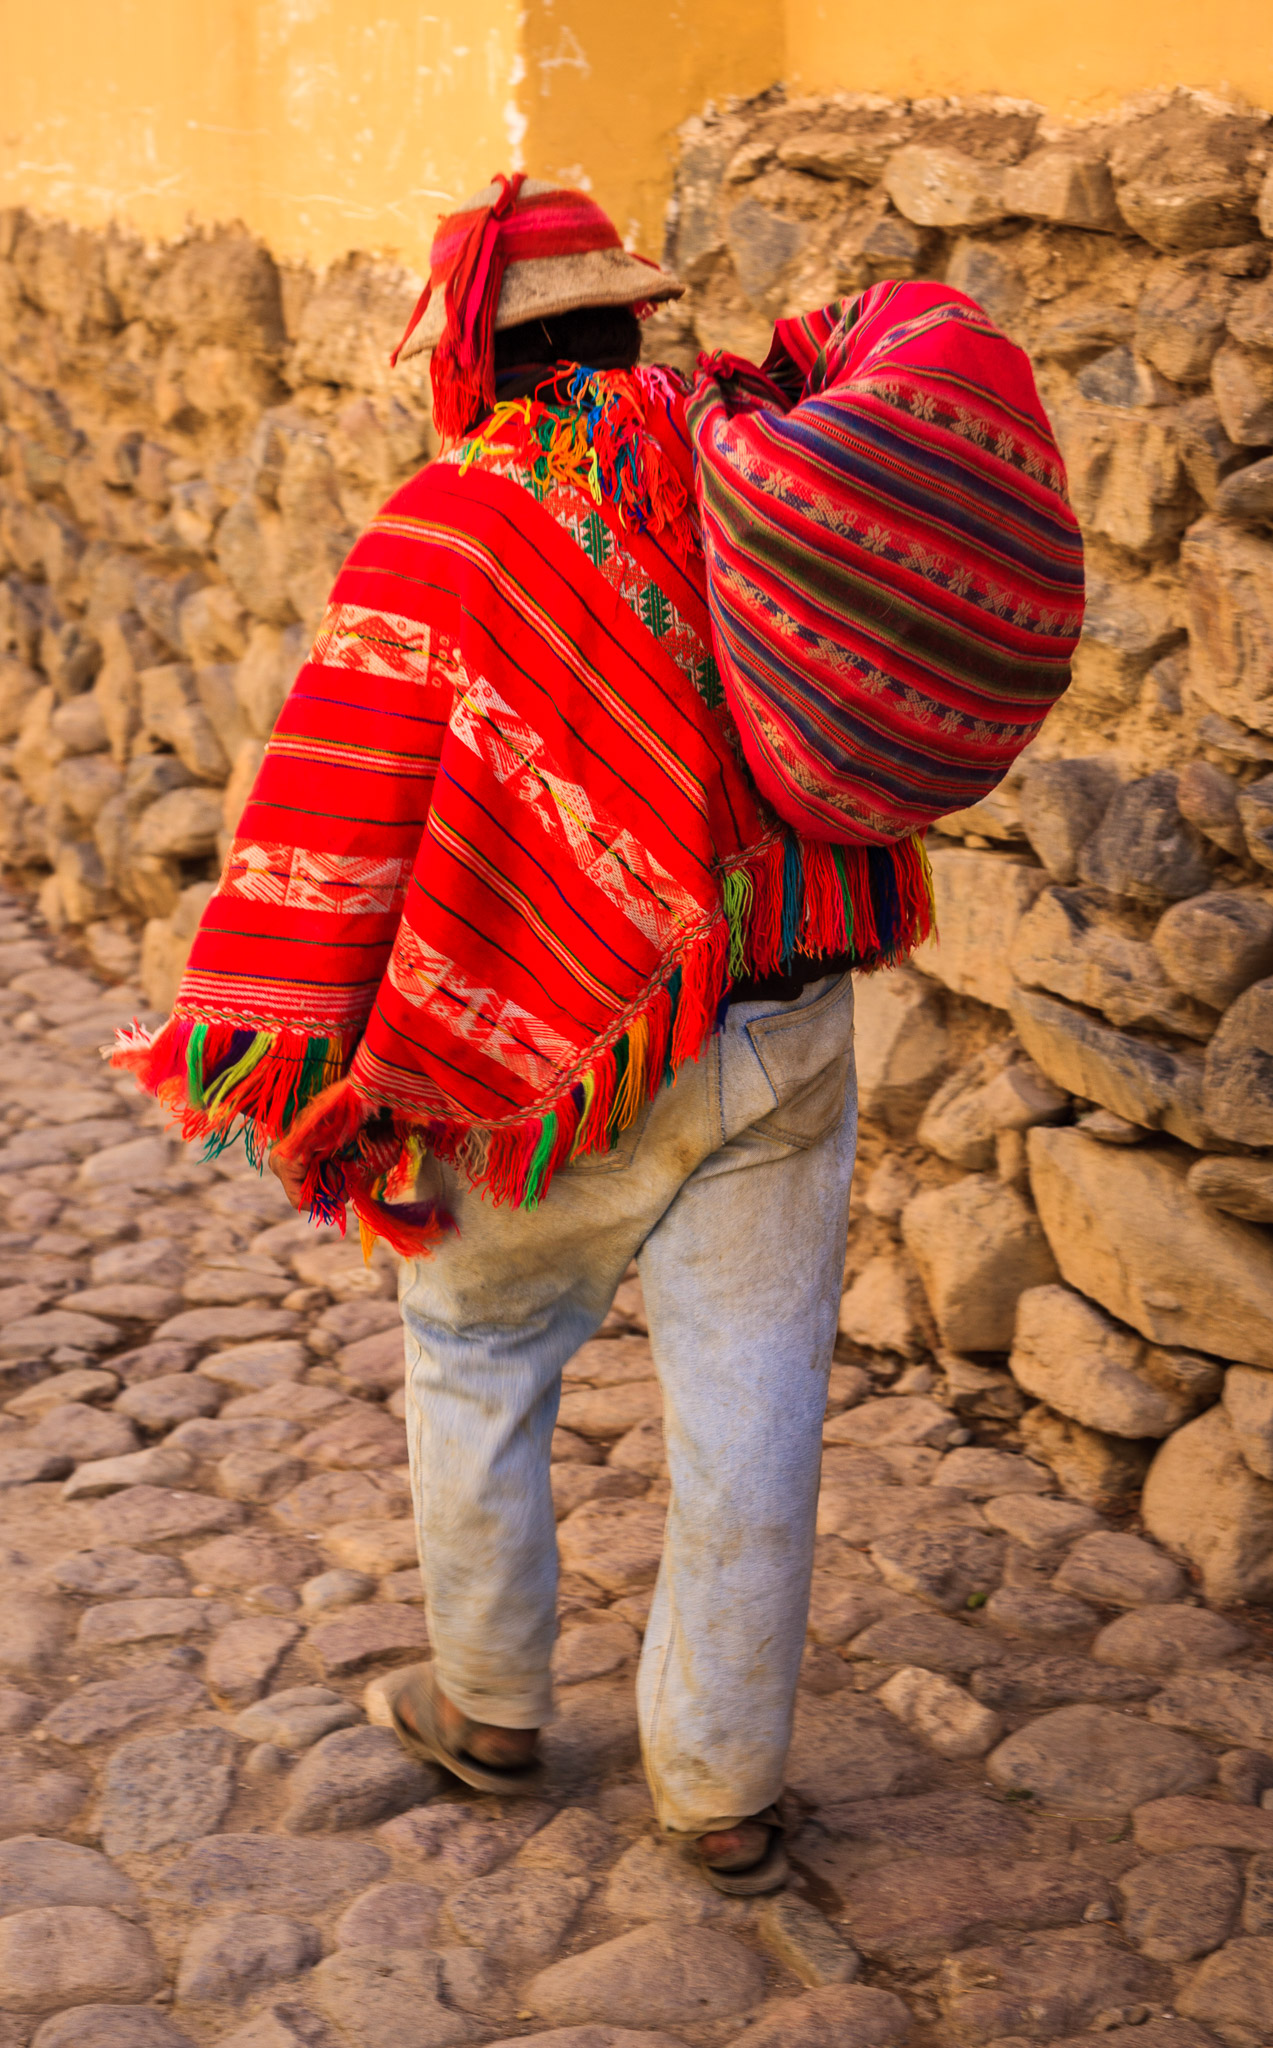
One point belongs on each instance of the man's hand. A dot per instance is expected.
(290, 1173)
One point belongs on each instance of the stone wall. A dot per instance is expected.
(190, 437)
(1065, 1190)
(1065, 1187)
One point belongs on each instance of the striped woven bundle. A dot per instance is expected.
(503, 856)
(894, 572)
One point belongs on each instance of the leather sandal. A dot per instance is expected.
(415, 1684)
(768, 1872)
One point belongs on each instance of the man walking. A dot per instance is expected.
(535, 945)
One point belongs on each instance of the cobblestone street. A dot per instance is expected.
(1026, 1793)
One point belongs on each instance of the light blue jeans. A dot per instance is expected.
(732, 1194)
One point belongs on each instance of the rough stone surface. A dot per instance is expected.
(947, 1567)
(900, 1047)
(839, 2016)
(245, 1656)
(226, 1960)
(1086, 1759)
(393, 1915)
(111, 2026)
(51, 1956)
(920, 1908)
(1181, 1274)
(114, 1705)
(978, 1248)
(152, 1514)
(353, 1778)
(1203, 1502)
(1103, 1471)
(367, 1636)
(1118, 1570)
(981, 899)
(33, 1628)
(672, 1975)
(941, 1712)
(296, 1718)
(391, 1997)
(1169, 1639)
(1230, 1991)
(1234, 1705)
(1045, 1986)
(1178, 1907)
(166, 1788)
(1098, 1372)
(521, 1915)
(271, 1872)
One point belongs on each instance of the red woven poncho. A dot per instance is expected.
(503, 854)
(894, 570)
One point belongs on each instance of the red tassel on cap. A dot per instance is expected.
(471, 272)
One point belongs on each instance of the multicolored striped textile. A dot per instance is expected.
(894, 571)
(503, 856)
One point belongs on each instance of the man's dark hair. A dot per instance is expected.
(602, 337)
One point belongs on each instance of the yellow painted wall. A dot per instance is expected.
(1075, 57)
(331, 124)
(324, 124)
(608, 82)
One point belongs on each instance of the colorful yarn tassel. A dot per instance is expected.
(292, 1092)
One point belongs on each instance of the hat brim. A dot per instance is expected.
(546, 286)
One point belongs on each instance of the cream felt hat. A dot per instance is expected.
(561, 252)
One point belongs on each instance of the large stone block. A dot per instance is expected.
(1157, 1086)
(995, 1091)
(182, 825)
(171, 712)
(1061, 805)
(1127, 1230)
(1238, 1083)
(1248, 1403)
(1242, 382)
(885, 1309)
(1255, 817)
(350, 323)
(978, 1247)
(1180, 321)
(988, 274)
(252, 553)
(1143, 848)
(1242, 1187)
(900, 1046)
(1203, 1502)
(763, 244)
(1101, 1471)
(1069, 187)
(266, 673)
(981, 899)
(1247, 494)
(1126, 628)
(943, 188)
(1067, 1352)
(1228, 577)
(222, 288)
(1215, 945)
(1126, 473)
(1206, 450)
(1208, 797)
(1071, 943)
(1185, 177)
